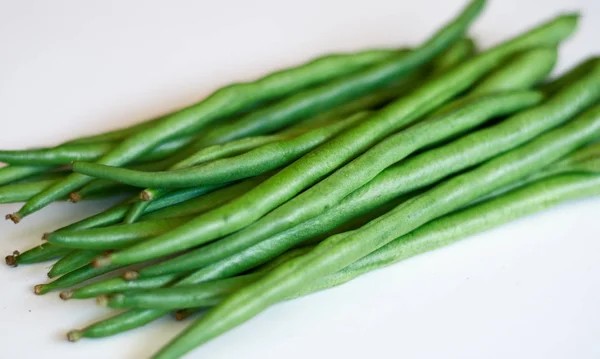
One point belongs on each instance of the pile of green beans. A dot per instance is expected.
(311, 176)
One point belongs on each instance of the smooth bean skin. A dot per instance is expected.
(43, 252)
(438, 233)
(460, 51)
(72, 261)
(9, 174)
(235, 98)
(20, 192)
(363, 169)
(574, 74)
(334, 254)
(417, 172)
(114, 237)
(547, 34)
(304, 171)
(260, 160)
(65, 154)
(117, 285)
(181, 295)
(74, 277)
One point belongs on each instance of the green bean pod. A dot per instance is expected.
(38, 254)
(9, 174)
(339, 251)
(74, 277)
(20, 192)
(72, 261)
(117, 285)
(236, 98)
(114, 237)
(232, 254)
(65, 154)
(260, 160)
(183, 295)
(457, 53)
(574, 74)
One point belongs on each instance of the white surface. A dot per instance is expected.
(527, 290)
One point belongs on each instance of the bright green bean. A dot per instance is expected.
(117, 285)
(260, 160)
(235, 98)
(114, 237)
(342, 250)
(9, 174)
(460, 51)
(574, 74)
(41, 253)
(75, 277)
(65, 154)
(72, 261)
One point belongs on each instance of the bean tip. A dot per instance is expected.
(102, 261)
(46, 235)
(15, 217)
(75, 197)
(39, 289)
(102, 300)
(145, 196)
(181, 315)
(11, 260)
(66, 295)
(74, 335)
(131, 275)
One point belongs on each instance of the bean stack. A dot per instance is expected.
(311, 176)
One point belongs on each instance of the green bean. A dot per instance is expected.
(20, 192)
(114, 237)
(65, 154)
(9, 174)
(140, 299)
(460, 51)
(232, 254)
(249, 164)
(339, 251)
(524, 70)
(572, 75)
(74, 277)
(117, 213)
(432, 235)
(117, 285)
(72, 261)
(293, 108)
(41, 253)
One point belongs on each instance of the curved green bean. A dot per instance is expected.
(574, 74)
(113, 237)
(232, 99)
(260, 160)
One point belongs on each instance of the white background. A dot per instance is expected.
(69, 67)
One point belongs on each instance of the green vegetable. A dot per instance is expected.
(339, 251)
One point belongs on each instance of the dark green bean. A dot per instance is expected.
(295, 107)
(339, 251)
(20, 192)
